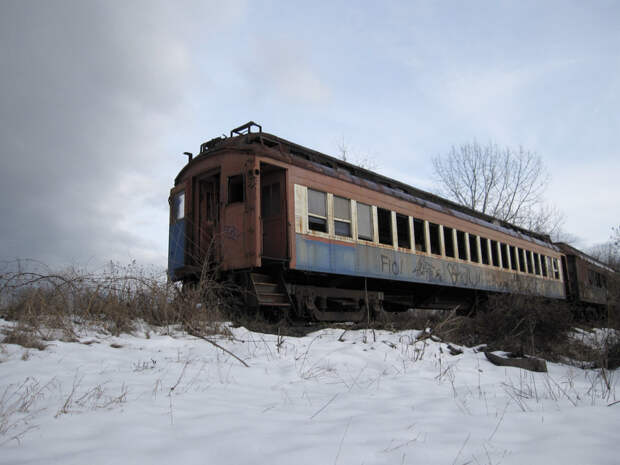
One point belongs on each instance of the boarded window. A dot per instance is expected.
(317, 210)
(418, 234)
(342, 216)
(448, 240)
(504, 251)
(364, 222)
(235, 188)
(494, 253)
(473, 248)
(484, 246)
(536, 263)
(178, 206)
(402, 231)
(433, 230)
(384, 217)
(460, 240)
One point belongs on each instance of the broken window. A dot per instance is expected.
(317, 211)
(433, 230)
(235, 188)
(556, 268)
(402, 231)
(342, 216)
(484, 246)
(384, 217)
(536, 263)
(513, 258)
(530, 262)
(473, 248)
(521, 259)
(494, 253)
(364, 222)
(448, 240)
(460, 241)
(504, 252)
(418, 235)
(543, 264)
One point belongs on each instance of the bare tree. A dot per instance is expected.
(363, 161)
(502, 182)
(608, 252)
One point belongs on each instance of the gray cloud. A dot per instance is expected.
(86, 90)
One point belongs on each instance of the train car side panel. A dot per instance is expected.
(362, 260)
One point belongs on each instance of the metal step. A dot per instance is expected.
(269, 291)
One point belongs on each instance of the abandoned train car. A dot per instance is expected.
(306, 231)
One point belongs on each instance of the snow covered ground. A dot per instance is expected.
(360, 398)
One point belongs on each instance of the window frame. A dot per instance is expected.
(232, 178)
(405, 229)
(337, 219)
(387, 214)
(370, 238)
(325, 218)
(177, 210)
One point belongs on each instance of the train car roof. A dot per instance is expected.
(570, 250)
(336, 167)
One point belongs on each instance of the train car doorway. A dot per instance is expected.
(273, 212)
(207, 201)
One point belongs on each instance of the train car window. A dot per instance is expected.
(433, 230)
(504, 251)
(484, 246)
(513, 258)
(543, 264)
(448, 240)
(556, 268)
(270, 200)
(460, 240)
(402, 231)
(317, 210)
(265, 202)
(521, 254)
(342, 216)
(418, 235)
(364, 222)
(494, 253)
(473, 248)
(536, 263)
(235, 188)
(596, 279)
(385, 226)
(178, 206)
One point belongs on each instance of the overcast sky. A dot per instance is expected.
(98, 100)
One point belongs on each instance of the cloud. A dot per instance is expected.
(285, 69)
(87, 91)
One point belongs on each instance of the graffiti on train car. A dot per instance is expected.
(364, 260)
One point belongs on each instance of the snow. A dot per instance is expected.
(365, 397)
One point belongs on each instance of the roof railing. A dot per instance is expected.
(246, 129)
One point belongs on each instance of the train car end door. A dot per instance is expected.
(273, 212)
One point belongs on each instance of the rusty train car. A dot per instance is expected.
(308, 233)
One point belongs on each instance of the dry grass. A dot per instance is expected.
(46, 305)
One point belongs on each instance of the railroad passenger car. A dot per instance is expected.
(589, 281)
(331, 240)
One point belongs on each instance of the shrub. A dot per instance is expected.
(514, 323)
